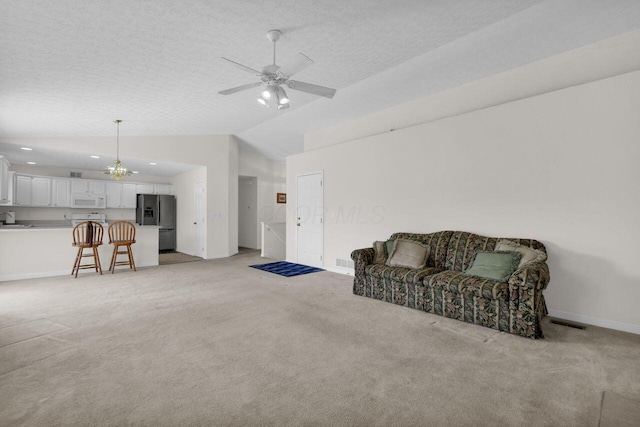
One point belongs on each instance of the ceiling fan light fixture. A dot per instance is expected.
(282, 96)
(263, 102)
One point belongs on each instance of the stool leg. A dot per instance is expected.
(112, 267)
(96, 259)
(76, 263)
(132, 263)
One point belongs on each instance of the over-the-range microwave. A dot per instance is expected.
(88, 200)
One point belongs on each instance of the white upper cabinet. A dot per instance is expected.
(41, 191)
(99, 187)
(162, 189)
(121, 195)
(114, 194)
(79, 186)
(60, 192)
(5, 182)
(153, 188)
(88, 186)
(22, 196)
(129, 198)
(144, 189)
(28, 190)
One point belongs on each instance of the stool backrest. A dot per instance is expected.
(88, 233)
(122, 231)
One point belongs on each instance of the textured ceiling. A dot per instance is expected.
(69, 67)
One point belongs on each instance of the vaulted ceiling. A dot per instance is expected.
(69, 67)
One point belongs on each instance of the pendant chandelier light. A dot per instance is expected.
(116, 170)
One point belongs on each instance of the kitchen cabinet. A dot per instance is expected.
(129, 196)
(153, 189)
(22, 196)
(121, 195)
(88, 186)
(98, 187)
(144, 189)
(79, 186)
(60, 192)
(114, 194)
(40, 191)
(162, 189)
(5, 182)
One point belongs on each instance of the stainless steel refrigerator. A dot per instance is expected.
(153, 209)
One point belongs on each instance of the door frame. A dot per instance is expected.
(321, 172)
(200, 242)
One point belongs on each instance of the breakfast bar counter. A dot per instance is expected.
(28, 252)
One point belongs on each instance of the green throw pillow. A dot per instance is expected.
(389, 246)
(496, 265)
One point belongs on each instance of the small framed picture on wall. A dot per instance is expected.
(281, 197)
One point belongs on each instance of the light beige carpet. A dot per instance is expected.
(219, 343)
(176, 258)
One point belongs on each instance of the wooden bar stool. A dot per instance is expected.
(87, 234)
(122, 233)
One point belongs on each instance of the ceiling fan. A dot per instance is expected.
(273, 77)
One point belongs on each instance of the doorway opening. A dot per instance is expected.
(248, 212)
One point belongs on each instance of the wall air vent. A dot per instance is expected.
(76, 174)
(567, 324)
(344, 263)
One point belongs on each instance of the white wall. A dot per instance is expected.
(561, 167)
(184, 190)
(218, 153)
(607, 58)
(271, 180)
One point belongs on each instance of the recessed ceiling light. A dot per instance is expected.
(95, 157)
(152, 163)
(26, 148)
(134, 171)
(31, 163)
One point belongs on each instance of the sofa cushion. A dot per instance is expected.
(380, 253)
(529, 255)
(457, 282)
(404, 274)
(437, 242)
(494, 265)
(408, 253)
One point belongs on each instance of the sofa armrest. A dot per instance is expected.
(362, 258)
(533, 276)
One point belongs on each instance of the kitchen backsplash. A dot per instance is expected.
(60, 214)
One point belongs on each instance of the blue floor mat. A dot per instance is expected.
(286, 269)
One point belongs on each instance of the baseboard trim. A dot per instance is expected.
(339, 270)
(596, 321)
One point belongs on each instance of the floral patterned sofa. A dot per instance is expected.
(516, 306)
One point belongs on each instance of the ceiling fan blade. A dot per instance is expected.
(327, 92)
(242, 67)
(297, 64)
(239, 88)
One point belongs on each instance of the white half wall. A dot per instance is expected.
(561, 167)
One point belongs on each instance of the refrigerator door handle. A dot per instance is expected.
(159, 210)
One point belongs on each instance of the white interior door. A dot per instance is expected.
(310, 219)
(198, 220)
